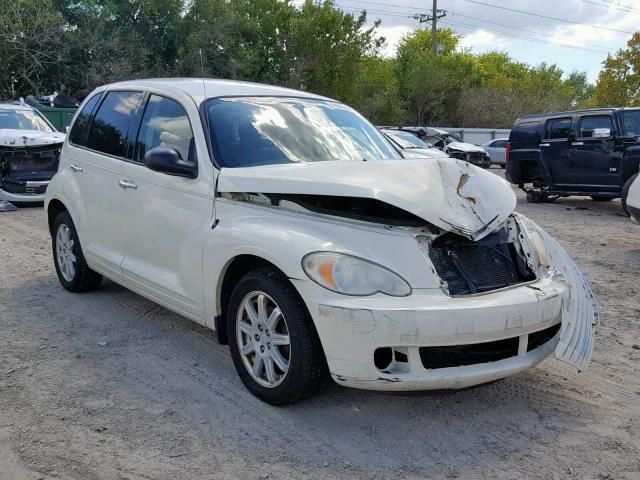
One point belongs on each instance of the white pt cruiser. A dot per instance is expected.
(289, 225)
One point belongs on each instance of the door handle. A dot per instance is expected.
(544, 145)
(75, 168)
(575, 144)
(126, 184)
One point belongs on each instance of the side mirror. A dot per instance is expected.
(168, 160)
(601, 132)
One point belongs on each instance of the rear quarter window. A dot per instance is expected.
(525, 134)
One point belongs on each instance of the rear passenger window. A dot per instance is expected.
(165, 124)
(525, 133)
(589, 124)
(109, 128)
(558, 128)
(78, 133)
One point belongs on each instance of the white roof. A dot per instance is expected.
(15, 106)
(212, 87)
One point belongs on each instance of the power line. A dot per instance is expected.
(520, 37)
(476, 27)
(547, 36)
(547, 17)
(609, 4)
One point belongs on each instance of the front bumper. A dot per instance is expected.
(352, 329)
(23, 192)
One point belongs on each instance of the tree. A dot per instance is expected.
(327, 49)
(619, 81)
(375, 92)
(32, 45)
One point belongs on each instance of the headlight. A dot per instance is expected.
(351, 275)
(541, 251)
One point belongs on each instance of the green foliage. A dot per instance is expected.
(75, 45)
(619, 81)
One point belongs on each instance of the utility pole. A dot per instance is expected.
(433, 18)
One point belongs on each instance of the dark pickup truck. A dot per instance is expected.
(589, 152)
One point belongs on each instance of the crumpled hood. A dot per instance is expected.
(465, 147)
(448, 193)
(28, 138)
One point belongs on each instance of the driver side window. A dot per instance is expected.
(165, 124)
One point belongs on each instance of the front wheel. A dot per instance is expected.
(274, 345)
(536, 196)
(72, 269)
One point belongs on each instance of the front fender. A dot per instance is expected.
(283, 238)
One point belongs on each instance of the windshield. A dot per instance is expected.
(23, 120)
(631, 123)
(249, 131)
(405, 140)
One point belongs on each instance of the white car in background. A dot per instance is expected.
(287, 223)
(497, 150)
(29, 150)
(631, 198)
(411, 146)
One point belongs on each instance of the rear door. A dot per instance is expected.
(166, 218)
(555, 150)
(96, 160)
(595, 161)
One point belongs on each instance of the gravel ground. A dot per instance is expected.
(107, 385)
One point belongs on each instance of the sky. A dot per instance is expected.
(527, 38)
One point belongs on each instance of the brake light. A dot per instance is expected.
(507, 152)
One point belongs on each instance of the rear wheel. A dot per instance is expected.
(71, 267)
(625, 193)
(274, 345)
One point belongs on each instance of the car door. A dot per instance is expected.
(555, 150)
(595, 161)
(166, 217)
(98, 145)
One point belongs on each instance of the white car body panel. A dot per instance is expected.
(423, 153)
(633, 200)
(172, 240)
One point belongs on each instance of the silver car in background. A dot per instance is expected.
(497, 150)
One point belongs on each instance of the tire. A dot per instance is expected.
(601, 198)
(80, 278)
(536, 197)
(625, 192)
(306, 371)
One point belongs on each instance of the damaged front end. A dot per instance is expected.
(505, 283)
(25, 171)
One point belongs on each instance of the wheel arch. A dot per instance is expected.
(54, 208)
(232, 272)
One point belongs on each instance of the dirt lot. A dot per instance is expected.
(108, 385)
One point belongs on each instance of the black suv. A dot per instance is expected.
(589, 152)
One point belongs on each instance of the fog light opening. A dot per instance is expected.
(383, 358)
